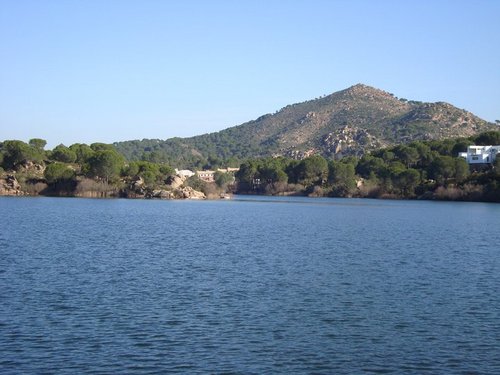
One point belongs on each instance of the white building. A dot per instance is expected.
(209, 176)
(184, 173)
(480, 154)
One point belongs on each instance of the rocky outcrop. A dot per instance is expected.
(32, 168)
(161, 194)
(10, 186)
(89, 188)
(174, 189)
(297, 154)
(136, 188)
(189, 193)
(180, 193)
(175, 182)
(349, 141)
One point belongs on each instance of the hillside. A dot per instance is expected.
(348, 122)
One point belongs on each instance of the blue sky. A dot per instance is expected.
(88, 71)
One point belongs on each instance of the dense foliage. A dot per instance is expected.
(420, 169)
(428, 169)
(66, 168)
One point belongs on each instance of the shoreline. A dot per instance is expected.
(234, 196)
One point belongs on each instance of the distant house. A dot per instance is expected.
(478, 156)
(184, 173)
(207, 176)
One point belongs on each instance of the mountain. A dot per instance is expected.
(348, 122)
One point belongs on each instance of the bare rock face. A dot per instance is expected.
(175, 182)
(297, 154)
(162, 194)
(31, 168)
(138, 183)
(349, 141)
(10, 186)
(189, 193)
(137, 188)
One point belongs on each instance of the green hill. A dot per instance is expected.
(349, 122)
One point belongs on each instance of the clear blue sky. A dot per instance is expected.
(87, 71)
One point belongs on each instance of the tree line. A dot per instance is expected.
(425, 169)
(421, 169)
(62, 165)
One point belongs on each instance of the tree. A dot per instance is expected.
(461, 146)
(407, 181)
(271, 171)
(233, 162)
(17, 152)
(98, 146)
(150, 172)
(157, 156)
(408, 155)
(196, 183)
(389, 176)
(223, 179)
(369, 164)
(38, 144)
(312, 170)
(83, 152)
(56, 173)
(247, 174)
(63, 154)
(496, 165)
(131, 169)
(442, 169)
(166, 170)
(291, 171)
(213, 162)
(461, 169)
(488, 138)
(105, 164)
(425, 155)
(343, 178)
(388, 156)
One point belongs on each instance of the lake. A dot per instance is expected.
(252, 285)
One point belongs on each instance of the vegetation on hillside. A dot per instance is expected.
(421, 169)
(76, 169)
(350, 122)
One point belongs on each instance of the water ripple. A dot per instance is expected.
(251, 287)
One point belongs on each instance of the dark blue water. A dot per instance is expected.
(259, 285)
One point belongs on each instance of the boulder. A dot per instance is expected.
(10, 186)
(137, 183)
(162, 194)
(31, 167)
(190, 193)
(137, 188)
(175, 182)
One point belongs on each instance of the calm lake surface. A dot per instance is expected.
(255, 285)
